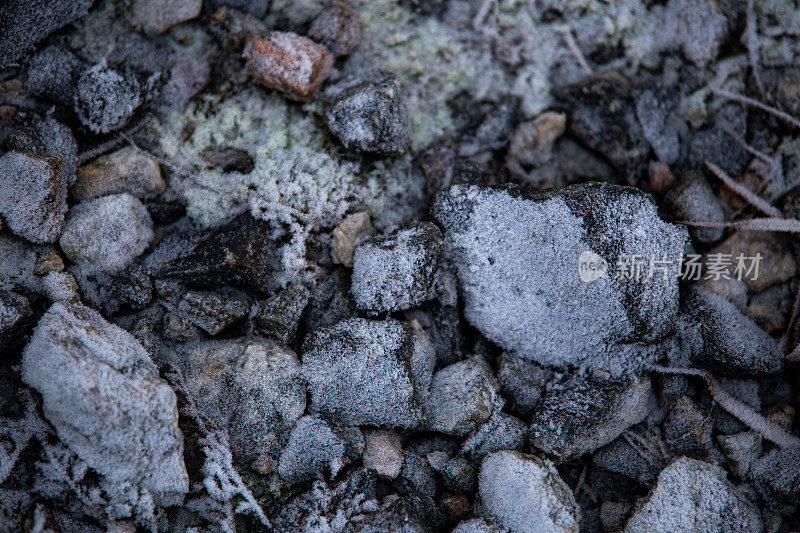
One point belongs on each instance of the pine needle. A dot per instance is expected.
(755, 200)
(744, 413)
(789, 119)
(782, 225)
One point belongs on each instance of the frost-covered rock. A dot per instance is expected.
(33, 196)
(15, 311)
(731, 342)
(313, 449)
(522, 382)
(289, 63)
(741, 450)
(383, 453)
(463, 396)
(695, 201)
(157, 16)
(693, 496)
(524, 493)
(478, 525)
(212, 312)
(105, 99)
(125, 171)
(368, 372)
(396, 272)
(23, 23)
(53, 73)
(252, 387)
(370, 115)
(279, 316)
(106, 234)
(518, 256)
(500, 432)
(337, 28)
(777, 476)
(579, 414)
(104, 396)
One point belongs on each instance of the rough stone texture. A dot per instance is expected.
(53, 74)
(103, 395)
(232, 28)
(638, 457)
(500, 432)
(239, 253)
(157, 16)
(383, 453)
(477, 525)
(777, 264)
(15, 312)
(105, 99)
(289, 63)
(525, 494)
(396, 272)
(687, 430)
(522, 382)
(313, 449)
(777, 477)
(106, 234)
(463, 396)
(741, 451)
(731, 342)
(517, 256)
(125, 171)
(279, 316)
(602, 115)
(694, 496)
(368, 372)
(459, 475)
(370, 115)
(349, 234)
(579, 415)
(23, 23)
(251, 386)
(33, 197)
(532, 142)
(337, 28)
(211, 312)
(695, 201)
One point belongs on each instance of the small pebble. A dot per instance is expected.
(289, 63)
(157, 16)
(659, 177)
(15, 311)
(313, 449)
(106, 234)
(125, 171)
(232, 28)
(532, 142)
(370, 115)
(337, 28)
(279, 316)
(383, 453)
(53, 73)
(105, 99)
(741, 450)
(349, 234)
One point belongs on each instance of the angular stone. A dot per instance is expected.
(638, 457)
(370, 115)
(396, 272)
(500, 432)
(229, 159)
(777, 477)
(522, 382)
(731, 342)
(104, 396)
(525, 494)
(33, 198)
(23, 23)
(157, 16)
(349, 234)
(232, 28)
(777, 263)
(741, 450)
(368, 372)
(313, 449)
(106, 234)
(693, 496)
(532, 142)
(383, 453)
(211, 312)
(463, 396)
(578, 415)
(337, 28)
(252, 387)
(279, 316)
(289, 63)
(105, 99)
(518, 256)
(15, 312)
(125, 171)
(687, 430)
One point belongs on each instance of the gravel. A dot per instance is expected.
(125, 171)
(105, 100)
(313, 449)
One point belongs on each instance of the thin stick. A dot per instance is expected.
(573, 47)
(758, 202)
(783, 225)
(744, 413)
(789, 119)
(751, 42)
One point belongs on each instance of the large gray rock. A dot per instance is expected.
(369, 372)
(694, 496)
(250, 386)
(108, 233)
(526, 495)
(518, 256)
(579, 415)
(103, 394)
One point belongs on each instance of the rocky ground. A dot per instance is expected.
(399, 265)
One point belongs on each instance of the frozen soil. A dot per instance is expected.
(399, 265)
